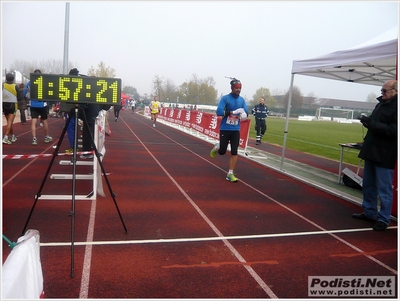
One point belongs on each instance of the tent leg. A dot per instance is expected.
(287, 120)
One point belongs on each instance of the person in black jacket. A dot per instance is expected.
(379, 152)
(260, 112)
(117, 108)
(91, 112)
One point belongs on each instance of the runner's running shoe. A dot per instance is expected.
(214, 150)
(48, 139)
(231, 177)
(6, 140)
(13, 138)
(34, 141)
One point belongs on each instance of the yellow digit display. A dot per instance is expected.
(79, 86)
(63, 91)
(103, 86)
(70, 88)
(39, 84)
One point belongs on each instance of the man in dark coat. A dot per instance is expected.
(379, 152)
(260, 112)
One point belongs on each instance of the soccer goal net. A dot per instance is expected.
(333, 114)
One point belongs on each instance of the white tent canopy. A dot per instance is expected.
(372, 63)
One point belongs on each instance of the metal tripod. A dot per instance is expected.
(74, 160)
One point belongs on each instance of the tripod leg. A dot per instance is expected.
(39, 193)
(76, 111)
(98, 155)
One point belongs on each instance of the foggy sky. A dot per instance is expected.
(254, 41)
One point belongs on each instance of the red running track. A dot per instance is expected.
(191, 233)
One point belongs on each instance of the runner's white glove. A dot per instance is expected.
(238, 111)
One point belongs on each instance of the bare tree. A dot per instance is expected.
(371, 97)
(158, 86)
(101, 71)
(198, 91)
(263, 92)
(48, 66)
(297, 98)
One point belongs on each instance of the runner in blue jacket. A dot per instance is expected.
(232, 107)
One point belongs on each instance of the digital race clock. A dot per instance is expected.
(78, 89)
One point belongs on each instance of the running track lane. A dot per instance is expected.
(191, 234)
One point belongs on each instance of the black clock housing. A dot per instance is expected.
(75, 89)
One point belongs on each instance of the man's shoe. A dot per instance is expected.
(34, 141)
(13, 138)
(362, 216)
(214, 150)
(258, 142)
(48, 139)
(231, 177)
(379, 226)
(69, 151)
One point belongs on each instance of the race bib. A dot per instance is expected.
(232, 120)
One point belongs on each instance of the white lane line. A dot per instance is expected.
(84, 291)
(253, 273)
(323, 229)
(297, 214)
(18, 172)
(197, 239)
(258, 279)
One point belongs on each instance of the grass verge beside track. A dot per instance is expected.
(321, 138)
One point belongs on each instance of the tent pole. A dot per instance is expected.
(287, 120)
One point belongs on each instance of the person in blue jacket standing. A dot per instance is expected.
(38, 109)
(232, 107)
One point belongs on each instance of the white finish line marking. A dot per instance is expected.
(220, 236)
(196, 239)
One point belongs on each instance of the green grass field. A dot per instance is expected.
(321, 138)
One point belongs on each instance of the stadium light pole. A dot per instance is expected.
(66, 39)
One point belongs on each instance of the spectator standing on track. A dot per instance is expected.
(379, 152)
(154, 110)
(38, 108)
(22, 104)
(11, 95)
(260, 112)
(117, 108)
(133, 105)
(232, 107)
(91, 112)
(66, 109)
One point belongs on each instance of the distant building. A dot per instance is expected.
(363, 106)
(312, 102)
(19, 78)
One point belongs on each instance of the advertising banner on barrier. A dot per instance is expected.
(202, 122)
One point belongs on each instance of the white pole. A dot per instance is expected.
(287, 120)
(66, 39)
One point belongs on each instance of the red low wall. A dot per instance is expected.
(204, 123)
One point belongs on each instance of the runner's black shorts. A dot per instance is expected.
(36, 112)
(229, 136)
(9, 108)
